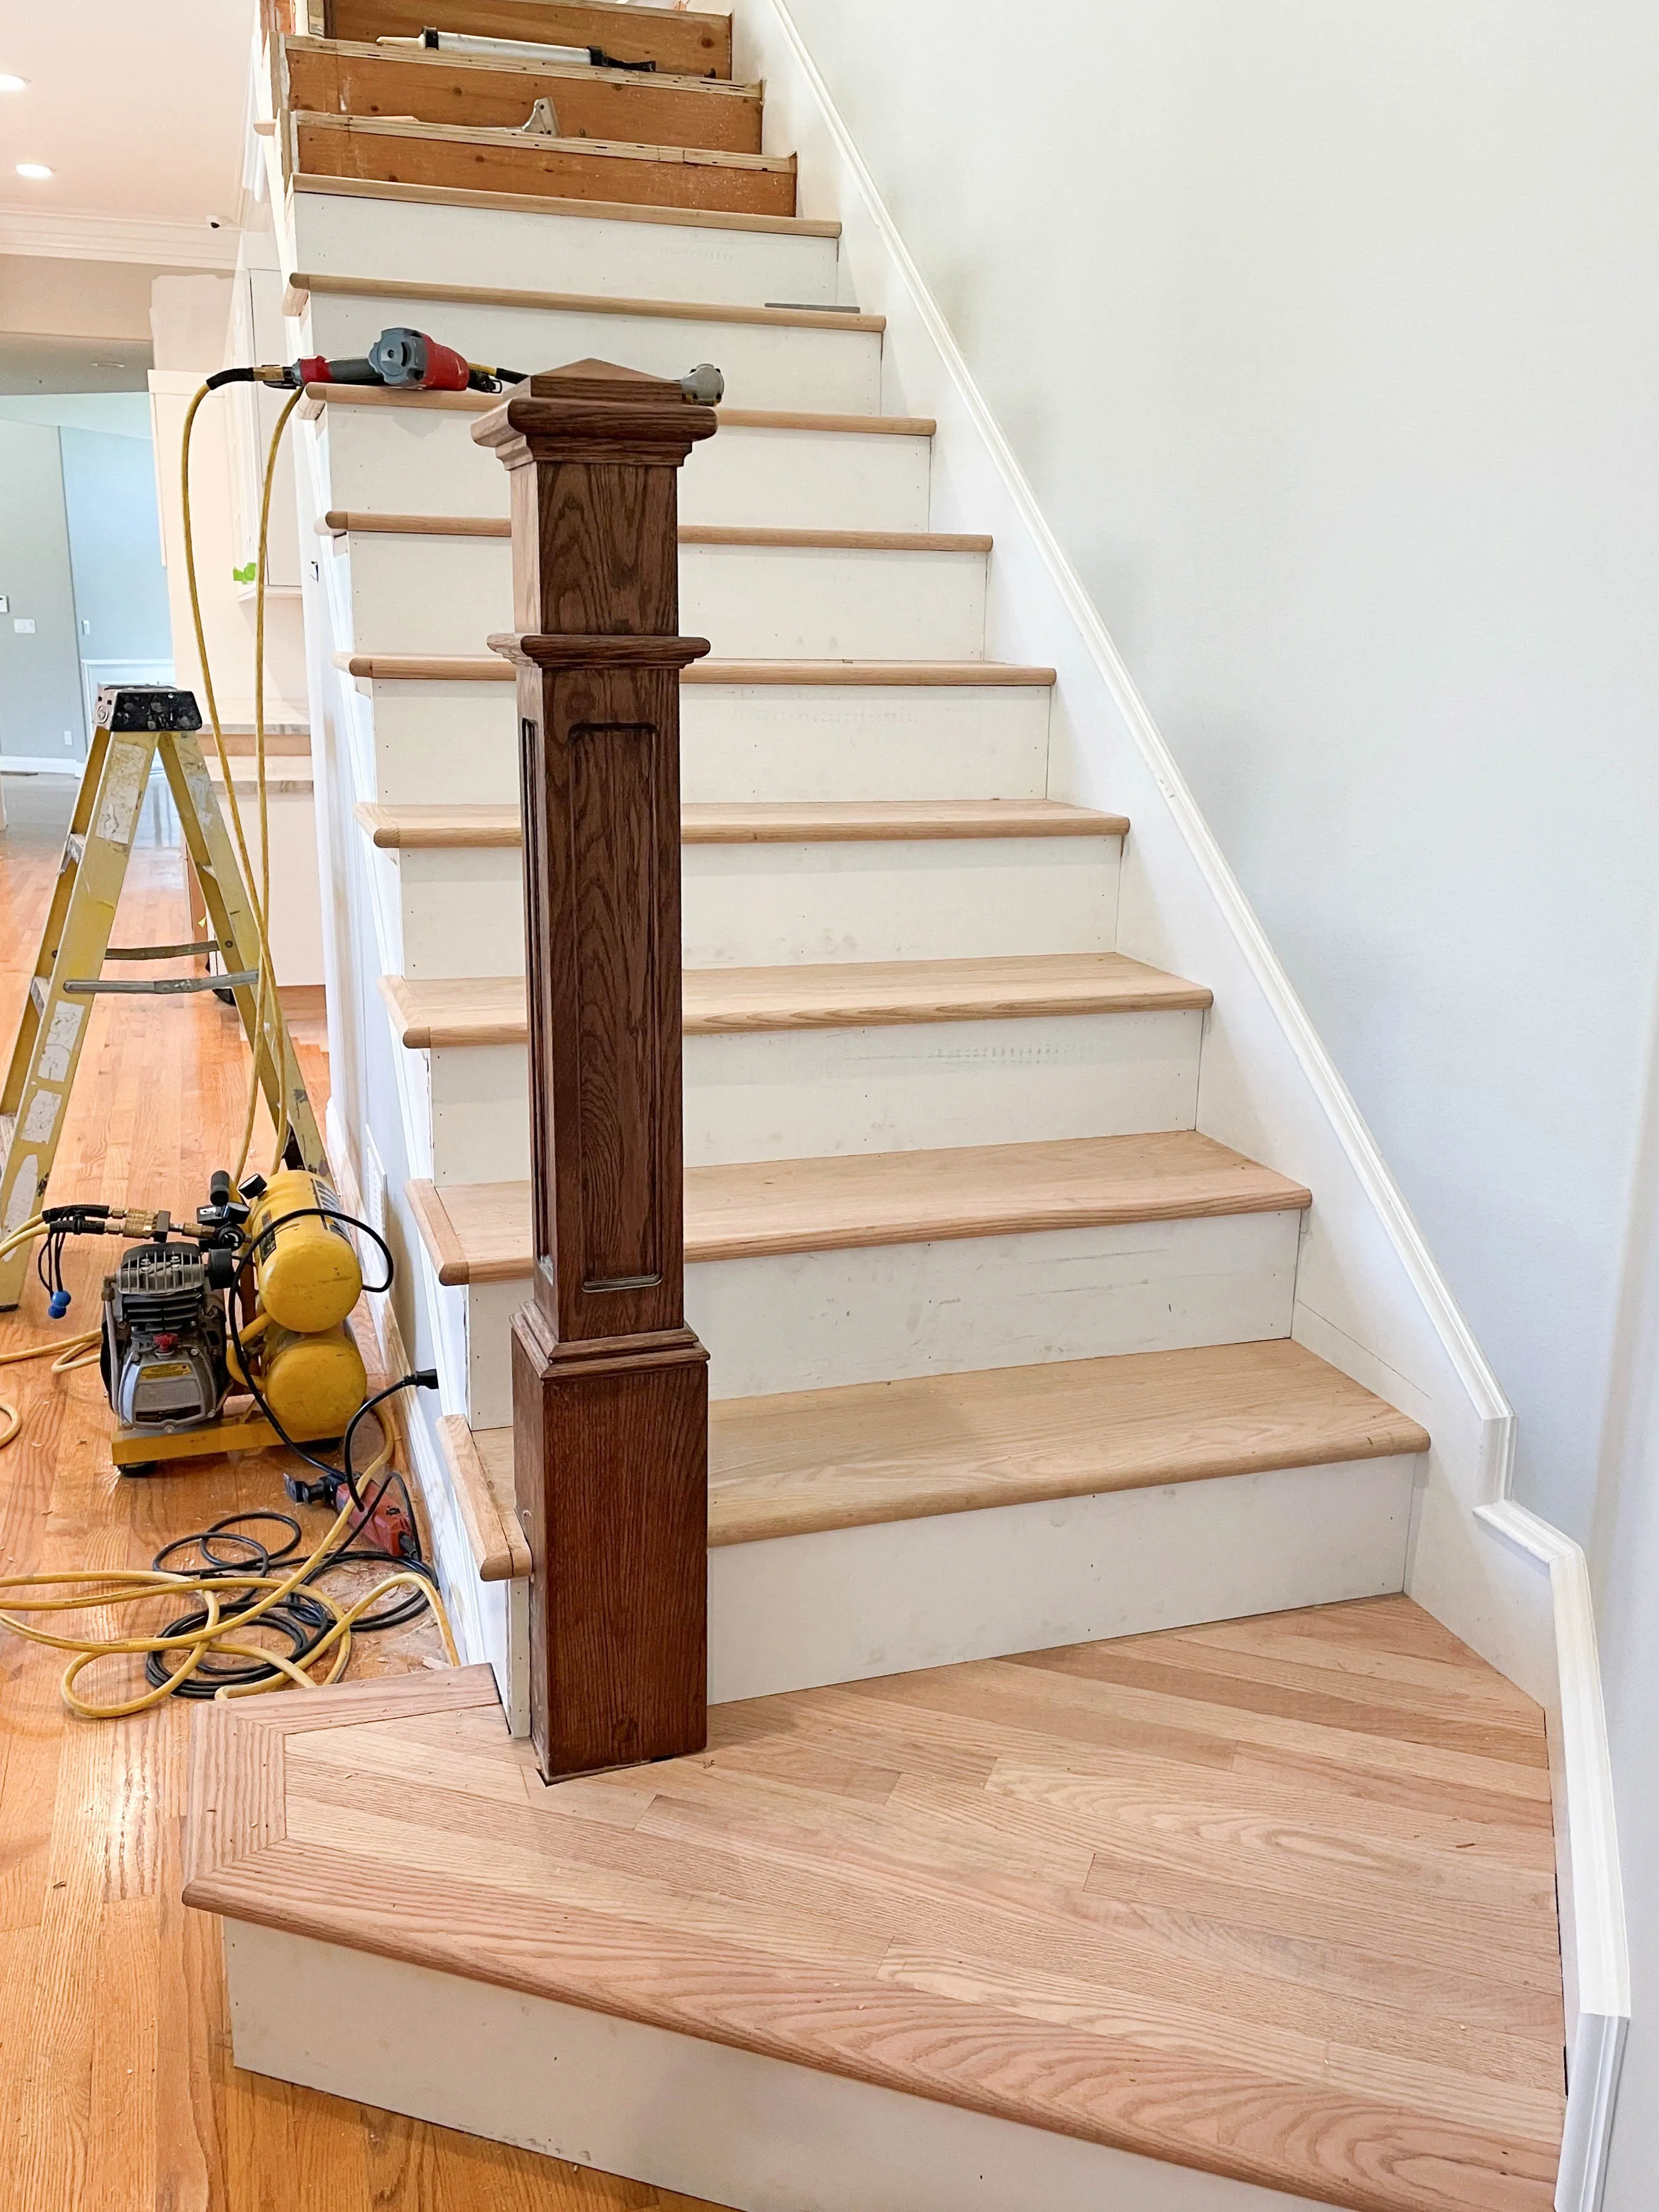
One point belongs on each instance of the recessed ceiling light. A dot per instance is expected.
(12, 83)
(33, 169)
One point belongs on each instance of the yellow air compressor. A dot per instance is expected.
(181, 1334)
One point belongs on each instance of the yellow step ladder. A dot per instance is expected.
(135, 723)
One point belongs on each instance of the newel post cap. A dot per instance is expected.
(558, 412)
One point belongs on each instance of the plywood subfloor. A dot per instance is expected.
(116, 2089)
(1273, 1899)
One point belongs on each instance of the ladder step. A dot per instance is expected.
(75, 851)
(161, 951)
(167, 987)
(37, 993)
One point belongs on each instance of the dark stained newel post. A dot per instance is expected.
(610, 1387)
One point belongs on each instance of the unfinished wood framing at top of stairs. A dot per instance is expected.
(677, 135)
(676, 39)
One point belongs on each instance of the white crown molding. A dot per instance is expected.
(82, 234)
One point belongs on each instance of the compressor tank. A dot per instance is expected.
(314, 1384)
(305, 1266)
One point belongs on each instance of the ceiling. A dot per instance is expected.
(140, 112)
(29, 363)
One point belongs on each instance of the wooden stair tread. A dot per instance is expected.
(481, 1476)
(587, 210)
(809, 822)
(303, 283)
(446, 1011)
(1126, 1891)
(319, 395)
(694, 43)
(517, 140)
(351, 77)
(344, 522)
(870, 1452)
(480, 1232)
(519, 162)
(442, 61)
(491, 668)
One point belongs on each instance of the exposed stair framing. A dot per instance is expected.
(1001, 1338)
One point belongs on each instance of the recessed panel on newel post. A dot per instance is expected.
(610, 1387)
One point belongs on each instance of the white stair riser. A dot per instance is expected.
(841, 1605)
(460, 910)
(699, 2118)
(824, 371)
(517, 248)
(433, 743)
(808, 1320)
(410, 460)
(804, 1094)
(413, 594)
(754, 906)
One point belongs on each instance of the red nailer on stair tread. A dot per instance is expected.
(401, 359)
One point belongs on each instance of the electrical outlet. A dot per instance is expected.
(69, 738)
(23, 624)
(86, 629)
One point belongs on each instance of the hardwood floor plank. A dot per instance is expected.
(1314, 1704)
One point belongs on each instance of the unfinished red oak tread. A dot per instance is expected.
(319, 395)
(480, 1232)
(476, 1010)
(902, 675)
(1199, 1895)
(582, 211)
(796, 822)
(303, 283)
(340, 522)
(870, 1452)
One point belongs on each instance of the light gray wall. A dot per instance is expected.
(1329, 340)
(40, 674)
(115, 546)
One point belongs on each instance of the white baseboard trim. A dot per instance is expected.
(41, 763)
(732, 2127)
(1594, 1957)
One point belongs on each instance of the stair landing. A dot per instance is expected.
(1271, 1899)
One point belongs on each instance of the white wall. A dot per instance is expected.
(1329, 340)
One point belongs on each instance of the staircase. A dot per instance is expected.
(1013, 1875)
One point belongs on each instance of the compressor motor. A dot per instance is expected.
(163, 1354)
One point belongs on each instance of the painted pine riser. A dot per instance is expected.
(432, 744)
(724, 2125)
(448, 595)
(843, 1605)
(830, 371)
(423, 243)
(404, 460)
(460, 911)
(810, 1320)
(806, 1094)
